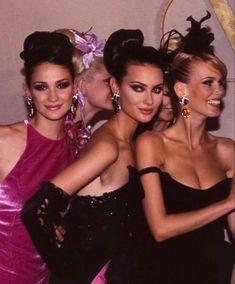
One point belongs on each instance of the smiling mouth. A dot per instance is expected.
(214, 102)
(53, 108)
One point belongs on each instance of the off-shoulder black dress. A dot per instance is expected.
(98, 229)
(198, 257)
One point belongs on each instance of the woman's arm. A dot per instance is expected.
(43, 211)
(226, 150)
(99, 154)
(12, 145)
(40, 214)
(163, 225)
(231, 217)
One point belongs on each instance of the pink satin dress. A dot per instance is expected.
(41, 160)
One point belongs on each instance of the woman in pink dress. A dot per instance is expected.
(34, 150)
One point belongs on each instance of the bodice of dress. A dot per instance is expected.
(42, 159)
(200, 256)
(180, 198)
(97, 227)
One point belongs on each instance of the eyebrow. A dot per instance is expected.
(142, 84)
(212, 78)
(61, 80)
(45, 82)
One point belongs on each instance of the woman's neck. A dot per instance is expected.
(50, 129)
(124, 126)
(191, 131)
(87, 115)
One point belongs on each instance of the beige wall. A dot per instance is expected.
(18, 18)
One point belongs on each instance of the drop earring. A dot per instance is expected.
(73, 107)
(116, 101)
(30, 106)
(185, 112)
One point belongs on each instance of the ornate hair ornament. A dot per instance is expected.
(166, 51)
(198, 40)
(90, 45)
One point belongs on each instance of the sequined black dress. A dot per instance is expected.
(199, 257)
(97, 230)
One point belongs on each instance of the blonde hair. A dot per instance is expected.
(80, 70)
(174, 43)
(181, 66)
(95, 67)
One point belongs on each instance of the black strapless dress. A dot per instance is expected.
(98, 229)
(198, 257)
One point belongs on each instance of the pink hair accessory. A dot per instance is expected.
(80, 98)
(90, 45)
(81, 102)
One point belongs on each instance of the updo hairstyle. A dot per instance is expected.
(125, 47)
(188, 50)
(40, 47)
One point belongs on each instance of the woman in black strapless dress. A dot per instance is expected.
(188, 174)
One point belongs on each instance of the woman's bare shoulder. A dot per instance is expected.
(149, 138)
(225, 150)
(103, 141)
(12, 132)
(223, 144)
(150, 149)
(226, 147)
(104, 134)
